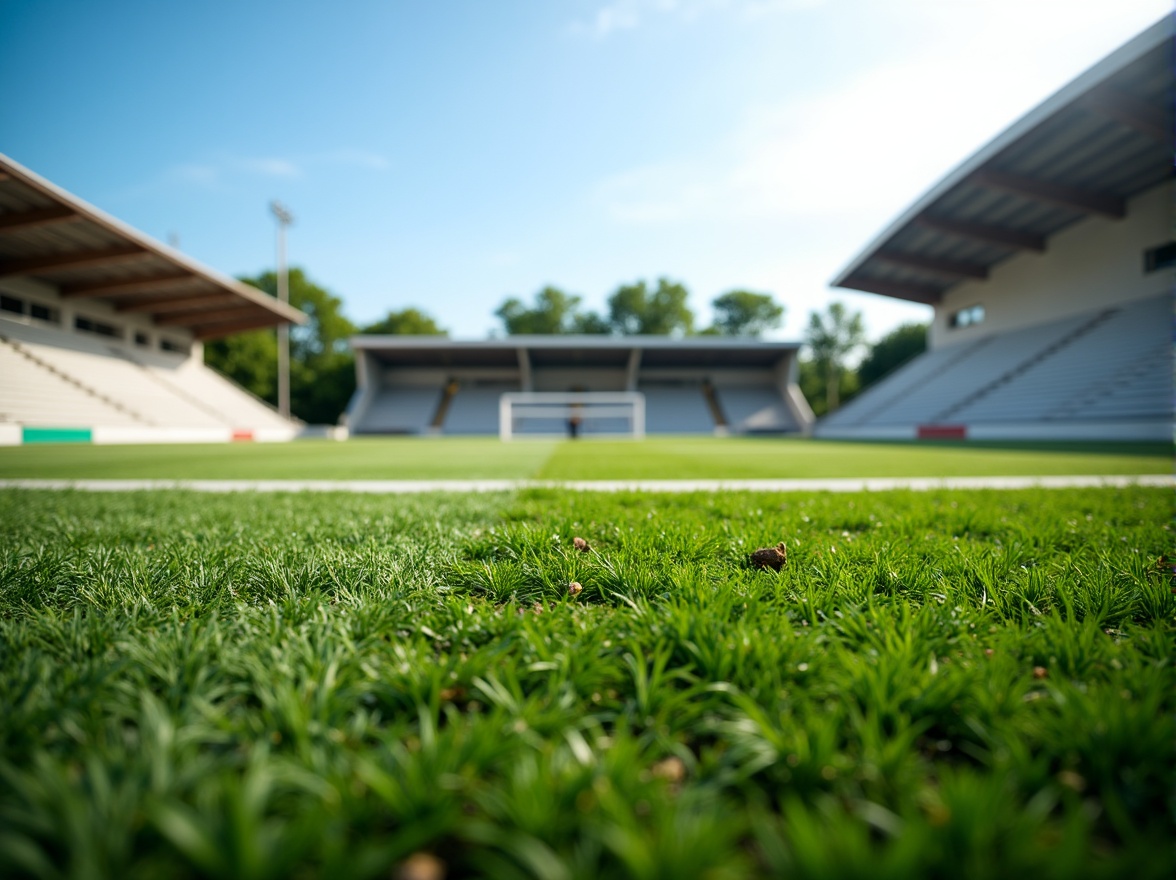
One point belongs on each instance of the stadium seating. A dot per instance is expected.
(232, 405)
(755, 408)
(676, 409)
(400, 411)
(67, 379)
(1113, 370)
(670, 408)
(34, 394)
(1101, 365)
(474, 409)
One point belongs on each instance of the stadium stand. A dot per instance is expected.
(474, 408)
(1100, 372)
(676, 409)
(1108, 364)
(33, 393)
(402, 410)
(685, 383)
(101, 329)
(147, 389)
(751, 410)
(1048, 257)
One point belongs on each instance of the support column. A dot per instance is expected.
(526, 379)
(632, 369)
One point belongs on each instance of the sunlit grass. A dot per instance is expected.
(937, 684)
(391, 458)
(407, 458)
(752, 458)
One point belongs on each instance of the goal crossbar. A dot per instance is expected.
(561, 407)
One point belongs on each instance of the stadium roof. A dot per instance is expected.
(1103, 138)
(51, 235)
(573, 351)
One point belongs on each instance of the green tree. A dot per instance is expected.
(554, 312)
(634, 309)
(249, 359)
(322, 368)
(892, 351)
(743, 313)
(814, 386)
(591, 324)
(406, 322)
(831, 338)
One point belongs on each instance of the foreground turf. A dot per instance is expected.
(968, 684)
(408, 458)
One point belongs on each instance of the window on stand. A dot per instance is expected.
(967, 317)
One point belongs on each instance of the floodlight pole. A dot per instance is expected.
(284, 218)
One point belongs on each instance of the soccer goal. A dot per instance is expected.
(571, 414)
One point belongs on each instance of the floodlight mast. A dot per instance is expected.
(285, 218)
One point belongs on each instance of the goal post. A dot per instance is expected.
(559, 413)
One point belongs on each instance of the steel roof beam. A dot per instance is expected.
(175, 302)
(950, 268)
(224, 328)
(18, 221)
(981, 232)
(1147, 119)
(1052, 193)
(129, 286)
(74, 260)
(191, 317)
(921, 293)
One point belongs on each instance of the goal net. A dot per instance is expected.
(571, 414)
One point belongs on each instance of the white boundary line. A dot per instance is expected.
(405, 487)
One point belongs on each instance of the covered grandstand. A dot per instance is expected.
(101, 329)
(703, 385)
(1048, 257)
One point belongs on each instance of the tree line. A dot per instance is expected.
(322, 366)
(640, 309)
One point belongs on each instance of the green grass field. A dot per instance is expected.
(660, 458)
(940, 684)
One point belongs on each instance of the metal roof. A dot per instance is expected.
(1103, 138)
(51, 235)
(574, 351)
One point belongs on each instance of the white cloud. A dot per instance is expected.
(356, 158)
(622, 15)
(822, 173)
(270, 166)
(199, 175)
(869, 147)
(219, 171)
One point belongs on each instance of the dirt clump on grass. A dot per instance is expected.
(770, 557)
(421, 866)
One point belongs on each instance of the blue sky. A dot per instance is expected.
(445, 155)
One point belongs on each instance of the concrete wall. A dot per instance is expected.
(593, 379)
(1096, 263)
(17, 435)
